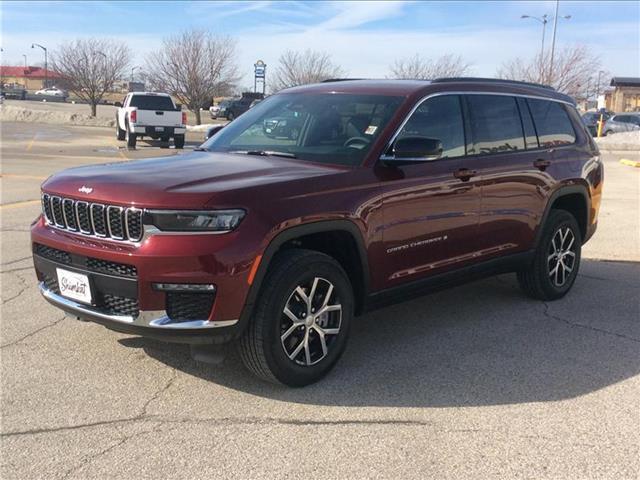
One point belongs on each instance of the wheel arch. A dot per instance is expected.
(573, 198)
(356, 266)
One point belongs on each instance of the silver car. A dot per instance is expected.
(622, 122)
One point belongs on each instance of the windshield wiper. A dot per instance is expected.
(266, 153)
(200, 149)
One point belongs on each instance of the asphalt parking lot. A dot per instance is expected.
(474, 382)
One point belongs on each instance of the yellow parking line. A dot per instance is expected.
(629, 163)
(24, 203)
(31, 143)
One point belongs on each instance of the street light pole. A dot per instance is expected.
(132, 70)
(46, 71)
(543, 20)
(25, 61)
(553, 40)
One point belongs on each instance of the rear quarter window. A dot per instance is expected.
(552, 123)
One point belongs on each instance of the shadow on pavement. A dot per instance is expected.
(484, 343)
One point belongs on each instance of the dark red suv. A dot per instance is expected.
(275, 241)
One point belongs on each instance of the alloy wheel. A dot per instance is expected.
(561, 257)
(310, 321)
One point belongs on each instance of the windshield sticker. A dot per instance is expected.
(371, 129)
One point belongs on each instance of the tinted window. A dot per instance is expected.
(530, 137)
(439, 118)
(495, 124)
(552, 123)
(151, 102)
(328, 128)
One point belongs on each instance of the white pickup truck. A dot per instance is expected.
(150, 114)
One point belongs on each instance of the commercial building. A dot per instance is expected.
(32, 78)
(623, 94)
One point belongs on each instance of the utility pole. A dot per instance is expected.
(46, 79)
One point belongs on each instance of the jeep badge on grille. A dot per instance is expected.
(86, 190)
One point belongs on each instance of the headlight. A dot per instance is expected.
(196, 221)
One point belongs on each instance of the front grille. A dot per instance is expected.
(189, 306)
(51, 283)
(108, 221)
(93, 264)
(115, 305)
(111, 268)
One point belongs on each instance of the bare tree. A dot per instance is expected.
(300, 68)
(89, 67)
(194, 66)
(572, 69)
(420, 68)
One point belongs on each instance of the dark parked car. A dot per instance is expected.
(390, 189)
(622, 122)
(14, 91)
(241, 105)
(283, 126)
(591, 119)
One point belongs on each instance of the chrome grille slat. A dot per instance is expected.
(96, 220)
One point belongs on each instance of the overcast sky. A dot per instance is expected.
(363, 37)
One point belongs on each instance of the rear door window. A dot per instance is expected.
(439, 118)
(552, 123)
(152, 102)
(495, 124)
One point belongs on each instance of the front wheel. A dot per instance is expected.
(301, 319)
(555, 266)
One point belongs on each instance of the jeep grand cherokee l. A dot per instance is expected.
(390, 188)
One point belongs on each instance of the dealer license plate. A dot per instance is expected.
(74, 285)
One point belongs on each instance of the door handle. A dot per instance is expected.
(541, 164)
(464, 174)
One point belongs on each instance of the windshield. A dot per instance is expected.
(152, 102)
(326, 128)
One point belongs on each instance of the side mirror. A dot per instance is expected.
(117, 104)
(178, 106)
(415, 149)
(213, 130)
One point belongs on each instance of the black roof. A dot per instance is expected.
(625, 82)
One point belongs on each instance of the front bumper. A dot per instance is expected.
(152, 324)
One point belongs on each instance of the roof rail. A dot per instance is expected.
(491, 80)
(329, 80)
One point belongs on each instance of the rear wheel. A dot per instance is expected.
(130, 137)
(301, 319)
(555, 266)
(178, 141)
(120, 134)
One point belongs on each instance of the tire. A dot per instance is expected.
(266, 351)
(120, 134)
(538, 280)
(130, 138)
(178, 141)
(608, 132)
(164, 142)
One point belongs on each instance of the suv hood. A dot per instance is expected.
(181, 181)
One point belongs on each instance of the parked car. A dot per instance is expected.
(622, 122)
(392, 188)
(284, 126)
(239, 106)
(150, 114)
(219, 110)
(13, 91)
(52, 92)
(591, 119)
(212, 130)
